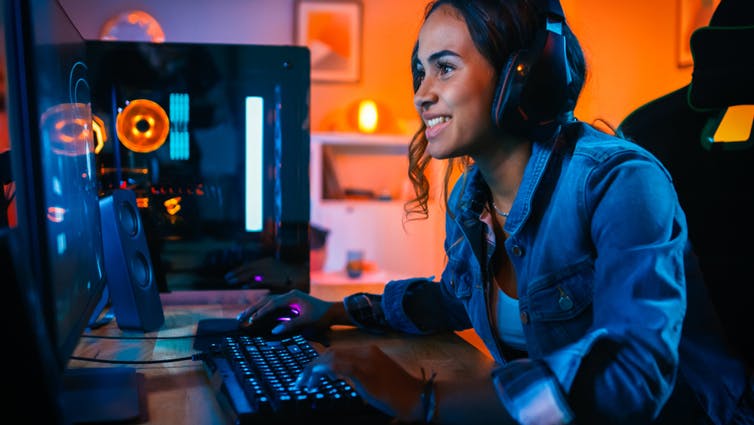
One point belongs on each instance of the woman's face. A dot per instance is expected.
(456, 89)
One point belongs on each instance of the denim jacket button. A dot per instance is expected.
(517, 251)
(524, 317)
(565, 302)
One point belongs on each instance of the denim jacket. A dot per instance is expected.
(611, 299)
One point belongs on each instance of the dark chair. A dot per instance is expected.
(714, 181)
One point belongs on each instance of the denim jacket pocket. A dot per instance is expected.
(459, 280)
(562, 295)
(559, 308)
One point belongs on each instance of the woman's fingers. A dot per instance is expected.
(269, 303)
(318, 371)
(249, 312)
(322, 367)
(379, 380)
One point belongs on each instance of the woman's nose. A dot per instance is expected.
(424, 95)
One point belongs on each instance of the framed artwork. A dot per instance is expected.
(332, 31)
(692, 14)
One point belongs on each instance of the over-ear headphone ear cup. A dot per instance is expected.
(534, 92)
(511, 81)
(545, 97)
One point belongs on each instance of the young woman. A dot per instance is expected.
(567, 251)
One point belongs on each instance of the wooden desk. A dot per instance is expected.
(180, 393)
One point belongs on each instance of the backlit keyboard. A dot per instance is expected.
(256, 376)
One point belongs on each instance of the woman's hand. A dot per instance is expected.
(379, 380)
(312, 312)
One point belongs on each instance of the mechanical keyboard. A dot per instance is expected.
(254, 378)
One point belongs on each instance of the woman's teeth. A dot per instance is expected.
(434, 121)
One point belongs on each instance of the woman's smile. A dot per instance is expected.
(435, 126)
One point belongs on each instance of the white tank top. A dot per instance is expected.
(509, 321)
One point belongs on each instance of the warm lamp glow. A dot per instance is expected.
(363, 115)
(368, 116)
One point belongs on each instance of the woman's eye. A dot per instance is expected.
(444, 68)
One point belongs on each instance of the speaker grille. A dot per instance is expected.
(128, 219)
(140, 270)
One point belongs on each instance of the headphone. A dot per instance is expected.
(532, 95)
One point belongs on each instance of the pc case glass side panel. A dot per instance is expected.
(217, 201)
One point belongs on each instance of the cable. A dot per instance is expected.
(206, 335)
(137, 337)
(194, 357)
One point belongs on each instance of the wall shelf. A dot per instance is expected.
(376, 164)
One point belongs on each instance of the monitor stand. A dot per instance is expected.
(103, 395)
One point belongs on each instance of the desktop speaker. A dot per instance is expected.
(131, 281)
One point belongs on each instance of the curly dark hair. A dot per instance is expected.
(497, 28)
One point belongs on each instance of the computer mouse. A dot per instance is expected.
(263, 326)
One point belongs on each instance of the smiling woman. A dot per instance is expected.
(454, 95)
(589, 237)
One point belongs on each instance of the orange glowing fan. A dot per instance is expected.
(142, 126)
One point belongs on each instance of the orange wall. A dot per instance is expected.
(388, 33)
(630, 47)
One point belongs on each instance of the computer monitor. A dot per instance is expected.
(52, 254)
(214, 141)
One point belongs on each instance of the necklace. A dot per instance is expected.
(500, 213)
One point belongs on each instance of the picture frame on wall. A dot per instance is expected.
(332, 32)
(692, 14)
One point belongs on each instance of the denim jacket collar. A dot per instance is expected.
(474, 199)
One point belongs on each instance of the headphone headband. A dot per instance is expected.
(551, 7)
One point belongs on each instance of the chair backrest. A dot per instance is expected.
(715, 187)
(714, 181)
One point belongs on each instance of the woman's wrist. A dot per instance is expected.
(336, 314)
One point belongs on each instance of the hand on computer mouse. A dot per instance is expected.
(313, 313)
(272, 323)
